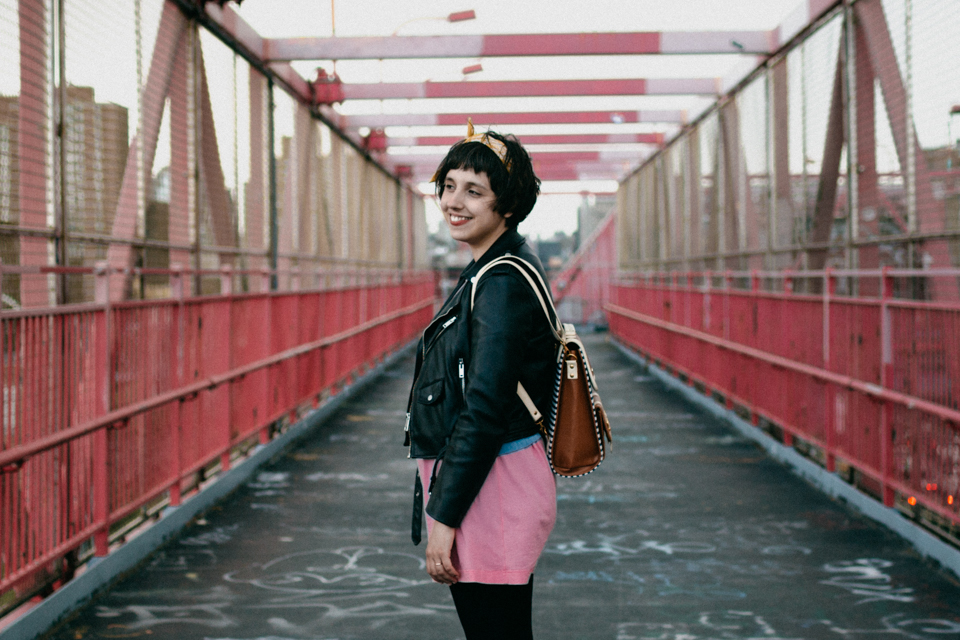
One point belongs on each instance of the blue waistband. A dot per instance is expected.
(519, 445)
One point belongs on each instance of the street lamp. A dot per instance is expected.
(955, 142)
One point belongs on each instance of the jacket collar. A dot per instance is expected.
(509, 241)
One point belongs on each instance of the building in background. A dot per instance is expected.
(95, 144)
(555, 251)
(9, 196)
(96, 141)
(592, 210)
(157, 229)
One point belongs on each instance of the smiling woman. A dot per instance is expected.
(492, 496)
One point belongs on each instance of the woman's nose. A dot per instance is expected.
(454, 198)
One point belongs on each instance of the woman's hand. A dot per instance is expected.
(439, 547)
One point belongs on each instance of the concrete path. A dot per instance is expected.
(687, 532)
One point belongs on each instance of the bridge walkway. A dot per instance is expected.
(687, 532)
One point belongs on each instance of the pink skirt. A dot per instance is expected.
(507, 526)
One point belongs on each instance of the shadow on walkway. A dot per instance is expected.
(686, 532)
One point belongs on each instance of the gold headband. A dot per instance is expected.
(491, 143)
(483, 138)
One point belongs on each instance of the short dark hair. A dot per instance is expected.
(516, 190)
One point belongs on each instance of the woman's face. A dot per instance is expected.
(467, 205)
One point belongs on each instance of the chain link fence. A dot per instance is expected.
(840, 151)
(132, 135)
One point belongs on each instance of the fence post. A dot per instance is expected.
(295, 276)
(755, 306)
(268, 278)
(786, 317)
(707, 283)
(707, 320)
(265, 279)
(829, 418)
(727, 286)
(101, 448)
(226, 289)
(688, 320)
(177, 290)
(727, 321)
(674, 288)
(226, 280)
(886, 379)
(755, 298)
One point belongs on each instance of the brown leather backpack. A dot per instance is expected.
(577, 431)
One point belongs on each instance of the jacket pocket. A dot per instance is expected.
(431, 393)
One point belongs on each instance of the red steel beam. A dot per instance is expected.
(627, 138)
(553, 172)
(539, 88)
(542, 156)
(876, 34)
(931, 211)
(610, 167)
(546, 156)
(183, 156)
(245, 37)
(829, 170)
(546, 166)
(512, 45)
(169, 35)
(257, 189)
(32, 151)
(755, 42)
(780, 105)
(498, 119)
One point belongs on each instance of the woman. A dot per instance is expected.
(492, 495)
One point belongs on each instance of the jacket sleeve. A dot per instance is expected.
(499, 324)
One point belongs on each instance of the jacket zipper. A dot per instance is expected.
(423, 357)
(423, 354)
(443, 327)
(463, 384)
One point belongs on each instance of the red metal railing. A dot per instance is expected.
(873, 381)
(107, 407)
(582, 289)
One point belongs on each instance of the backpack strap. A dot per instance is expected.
(526, 269)
(555, 326)
(528, 403)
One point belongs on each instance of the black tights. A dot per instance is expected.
(494, 611)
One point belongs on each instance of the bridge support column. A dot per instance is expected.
(33, 152)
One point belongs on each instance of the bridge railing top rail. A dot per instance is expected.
(918, 285)
(226, 281)
(825, 273)
(367, 268)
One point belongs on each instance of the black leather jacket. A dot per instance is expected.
(463, 404)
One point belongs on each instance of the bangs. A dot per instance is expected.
(476, 157)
